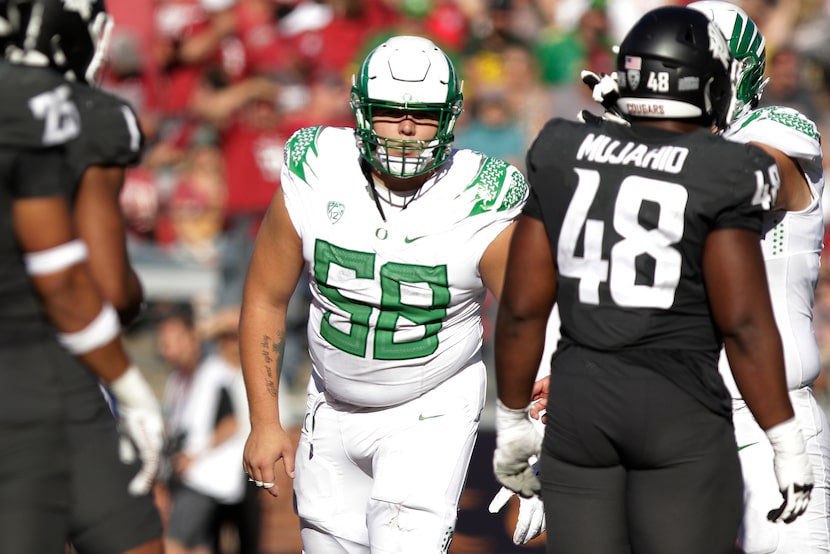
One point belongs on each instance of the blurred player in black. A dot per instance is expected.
(647, 238)
(112, 509)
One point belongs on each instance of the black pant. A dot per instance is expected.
(632, 463)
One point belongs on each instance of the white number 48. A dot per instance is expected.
(658, 82)
(620, 270)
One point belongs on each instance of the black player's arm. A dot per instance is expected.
(794, 193)
(70, 299)
(736, 282)
(528, 296)
(100, 222)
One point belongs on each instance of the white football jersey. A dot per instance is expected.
(396, 304)
(792, 241)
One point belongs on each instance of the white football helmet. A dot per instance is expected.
(406, 73)
(747, 45)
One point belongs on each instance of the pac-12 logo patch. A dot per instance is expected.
(335, 211)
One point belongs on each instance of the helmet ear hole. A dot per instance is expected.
(406, 73)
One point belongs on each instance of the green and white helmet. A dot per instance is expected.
(748, 47)
(412, 74)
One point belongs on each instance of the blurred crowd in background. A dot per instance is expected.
(220, 85)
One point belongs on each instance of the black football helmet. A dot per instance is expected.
(70, 36)
(675, 64)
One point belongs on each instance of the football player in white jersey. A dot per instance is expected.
(401, 236)
(792, 243)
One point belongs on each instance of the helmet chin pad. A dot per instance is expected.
(416, 157)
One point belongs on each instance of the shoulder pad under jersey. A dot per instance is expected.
(36, 107)
(111, 135)
(783, 128)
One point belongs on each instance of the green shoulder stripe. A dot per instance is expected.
(297, 148)
(491, 181)
(788, 118)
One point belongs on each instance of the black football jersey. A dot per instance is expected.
(110, 135)
(37, 118)
(627, 211)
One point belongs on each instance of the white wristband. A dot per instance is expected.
(100, 331)
(56, 258)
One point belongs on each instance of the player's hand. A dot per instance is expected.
(539, 401)
(531, 520)
(516, 442)
(141, 426)
(267, 445)
(586, 116)
(606, 91)
(792, 469)
(604, 88)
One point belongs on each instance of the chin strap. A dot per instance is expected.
(367, 172)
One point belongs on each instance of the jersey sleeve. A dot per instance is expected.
(782, 128)
(532, 207)
(755, 182)
(500, 192)
(38, 173)
(300, 151)
(111, 134)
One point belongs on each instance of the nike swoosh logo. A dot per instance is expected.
(746, 446)
(407, 240)
(422, 417)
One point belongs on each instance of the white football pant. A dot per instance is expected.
(387, 480)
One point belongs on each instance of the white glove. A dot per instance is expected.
(141, 426)
(516, 441)
(605, 90)
(531, 520)
(792, 469)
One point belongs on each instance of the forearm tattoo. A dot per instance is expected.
(272, 355)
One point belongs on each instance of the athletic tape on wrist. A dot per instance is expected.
(56, 258)
(132, 389)
(96, 334)
(503, 413)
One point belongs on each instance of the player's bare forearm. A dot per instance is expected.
(518, 349)
(272, 349)
(760, 376)
(739, 299)
(527, 298)
(262, 342)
